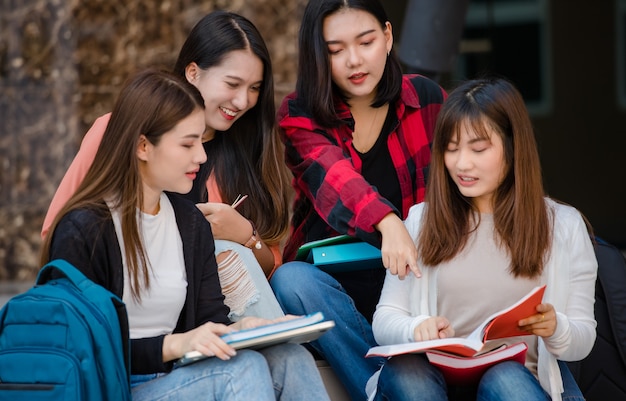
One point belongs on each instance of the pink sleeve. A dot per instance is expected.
(278, 258)
(77, 170)
(213, 191)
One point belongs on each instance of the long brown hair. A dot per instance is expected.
(521, 218)
(151, 103)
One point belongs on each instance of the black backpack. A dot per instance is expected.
(601, 376)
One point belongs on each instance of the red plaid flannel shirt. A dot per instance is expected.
(330, 190)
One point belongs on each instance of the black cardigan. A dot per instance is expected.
(86, 238)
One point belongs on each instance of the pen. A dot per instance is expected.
(238, 200)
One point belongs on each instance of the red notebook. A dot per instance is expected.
(499, 325)
(461, 371)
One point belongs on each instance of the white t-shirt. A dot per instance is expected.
(159, 308)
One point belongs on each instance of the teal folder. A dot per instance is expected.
(342, 256)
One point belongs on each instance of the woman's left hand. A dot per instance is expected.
(543, 323)
(226, 222)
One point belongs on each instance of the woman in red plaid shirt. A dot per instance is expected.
(357, 135)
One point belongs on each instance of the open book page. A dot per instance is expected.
(455, 345)
(502, 324)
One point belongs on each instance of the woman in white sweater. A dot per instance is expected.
(486, 235)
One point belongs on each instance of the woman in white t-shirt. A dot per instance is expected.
(486, 235)
(127, 228)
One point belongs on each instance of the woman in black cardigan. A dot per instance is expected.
(128, 230)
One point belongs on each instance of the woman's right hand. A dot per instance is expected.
(205, 339)
(433, 328)
(226, 222)
(398, 249)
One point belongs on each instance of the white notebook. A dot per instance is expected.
(300, 330)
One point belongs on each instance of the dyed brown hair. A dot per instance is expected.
(151, 103)
(521, 218)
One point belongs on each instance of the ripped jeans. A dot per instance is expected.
(247, 291)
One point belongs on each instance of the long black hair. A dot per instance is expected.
(248, 157)
(314, 85)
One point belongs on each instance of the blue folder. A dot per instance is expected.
(345, 257)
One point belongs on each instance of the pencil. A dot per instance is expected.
(238, 200)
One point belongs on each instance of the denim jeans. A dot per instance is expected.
(412, 377)
(302, 288)
(261, 302)
(281, 372)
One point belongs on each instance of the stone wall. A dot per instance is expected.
(61, 65)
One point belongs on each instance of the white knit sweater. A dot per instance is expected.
(570, 277)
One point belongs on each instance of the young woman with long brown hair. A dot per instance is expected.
(128, 229)
(225, 57)
(486, 235)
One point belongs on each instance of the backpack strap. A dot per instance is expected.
(100, 296)
(59, 267)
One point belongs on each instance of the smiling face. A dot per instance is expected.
(171, 165)
(476, 164)
(357, 47)
(229, 89)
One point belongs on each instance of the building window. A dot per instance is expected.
(510, 38)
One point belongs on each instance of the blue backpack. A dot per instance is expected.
(66, 338)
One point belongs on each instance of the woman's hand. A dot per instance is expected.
(543, 323)
(398, 249)
(226, 222)
(205, 339)
(433, 328)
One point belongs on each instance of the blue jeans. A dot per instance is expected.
(302, 288)
(247, 291)
(281, 372)
(412, 377)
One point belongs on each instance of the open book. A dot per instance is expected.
(341, 253)
(299, 330)
(501, 324)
